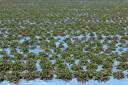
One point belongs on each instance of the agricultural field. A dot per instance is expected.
(63, 42)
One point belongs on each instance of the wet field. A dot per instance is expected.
(70, 42)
